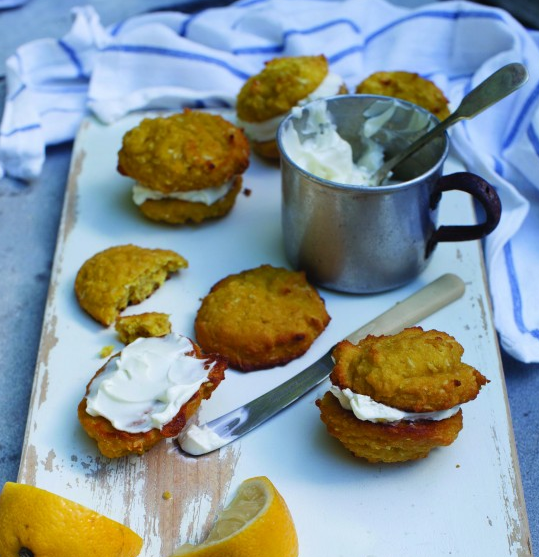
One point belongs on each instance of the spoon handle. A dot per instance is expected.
(500, 84)
(496, 87)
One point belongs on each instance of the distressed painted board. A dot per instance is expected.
(463, 500)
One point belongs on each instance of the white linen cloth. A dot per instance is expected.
(171, 60)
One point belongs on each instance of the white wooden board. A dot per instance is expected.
(463, 500)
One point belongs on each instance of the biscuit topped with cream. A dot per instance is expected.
(147, 393)
(395, 398)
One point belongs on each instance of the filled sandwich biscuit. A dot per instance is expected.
(267, 97)
(395, 398)
(187, 167)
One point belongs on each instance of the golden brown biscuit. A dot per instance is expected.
(187, 166)
(386, 442)
(191, 150)
(414, 370)
(143, 325)
(122, 275)
(114, 443)
(267, 149)
(260, 318)
(408, 86)
(281, 85)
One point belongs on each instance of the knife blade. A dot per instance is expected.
(197, 440)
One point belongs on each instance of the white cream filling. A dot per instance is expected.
(145, 387)
(197, 440)
(266, 130)
(367, 409)
(208, 196)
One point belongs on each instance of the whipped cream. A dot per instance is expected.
(325, 154)
(266, 130)
(261, 131)
(367, 409)
(197, 440)
(329, 87)
(145, 386)
(208, 196)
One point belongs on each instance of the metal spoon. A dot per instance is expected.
(500, 84)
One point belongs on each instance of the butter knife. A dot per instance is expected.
(197, 440)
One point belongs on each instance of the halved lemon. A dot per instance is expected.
(37, 523)
(256, 522)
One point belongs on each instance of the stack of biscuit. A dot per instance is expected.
(395, 398)
(267, 97)
(188, 167)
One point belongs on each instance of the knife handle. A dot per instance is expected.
(431, 298)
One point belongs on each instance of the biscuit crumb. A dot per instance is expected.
(106, 351)
(151, 324)
(167, 495)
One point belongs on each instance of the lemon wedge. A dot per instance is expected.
(37, 523)
(256, 522)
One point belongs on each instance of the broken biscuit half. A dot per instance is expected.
(120, 276)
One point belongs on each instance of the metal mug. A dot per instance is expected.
(365, 239)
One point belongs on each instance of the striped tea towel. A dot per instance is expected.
(171, 60)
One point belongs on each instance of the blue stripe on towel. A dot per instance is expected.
(274, 49)
(73, 57)
(420, 15)
(533, 137)
(17, 92)
(434, 15)
(182, 31)
(515, 293)
(334, 58)
(153, 50)
(530, 101)
(498, 166)
(116, 28)
(27, 128)
(66, 110)
(456, 77)
(184, 28)
(248, 3)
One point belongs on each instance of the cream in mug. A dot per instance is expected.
(319, 148)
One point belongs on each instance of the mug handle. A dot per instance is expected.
(480, 190)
